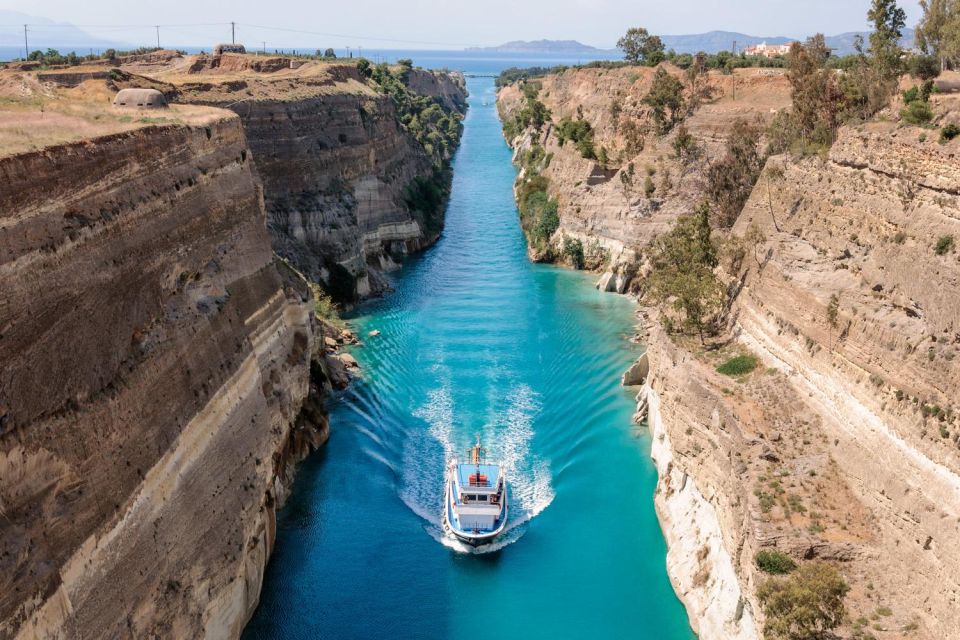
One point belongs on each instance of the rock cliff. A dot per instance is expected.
(156, 382)
(340, 168)
(842, 445)
(605, 205)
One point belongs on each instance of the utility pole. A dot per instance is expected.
(26, 46)
(233, 33)
(157, 27)
(264, 48)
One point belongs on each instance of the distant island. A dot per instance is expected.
(540, 46)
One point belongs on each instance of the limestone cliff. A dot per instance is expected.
(606, 205)
(843, 444)
(341, 170)
(156, 358)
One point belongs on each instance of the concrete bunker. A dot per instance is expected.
(140, 99)
(220, 49)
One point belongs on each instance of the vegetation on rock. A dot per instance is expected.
(666, 101)
(774, 562)
(739, 366)
(730, 179)
(683, 272)
(804, 606)
(580, 133)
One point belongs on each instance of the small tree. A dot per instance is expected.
(804, 606)
(888, 20)
(730, 180)
(640, 47)
(329, 53)
(939, 31)
(364, 67)
(683, 271)
(833, 314)
(666, 100)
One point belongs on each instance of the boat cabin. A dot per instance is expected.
(478, 491)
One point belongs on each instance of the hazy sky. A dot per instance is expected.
(457, 23)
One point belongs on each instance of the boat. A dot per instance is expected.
(475, 502)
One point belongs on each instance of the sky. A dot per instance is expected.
(450, 24)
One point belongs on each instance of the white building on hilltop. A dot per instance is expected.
(768, 50)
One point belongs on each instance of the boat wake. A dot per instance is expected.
(509, 431)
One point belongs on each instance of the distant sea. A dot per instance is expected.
(473, 62)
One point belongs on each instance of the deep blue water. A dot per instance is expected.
(476, 339)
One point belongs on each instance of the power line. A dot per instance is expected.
(53, 27)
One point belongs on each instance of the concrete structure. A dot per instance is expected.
(228, 48)
(140, 99)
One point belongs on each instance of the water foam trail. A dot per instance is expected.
(425, 456)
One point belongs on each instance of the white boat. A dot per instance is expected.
(475, 502)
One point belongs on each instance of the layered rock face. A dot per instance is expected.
(155, 361)
(336, 165)
(857, 297)
(607, 206)
(845, 445)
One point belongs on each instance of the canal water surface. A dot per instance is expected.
(477, 340)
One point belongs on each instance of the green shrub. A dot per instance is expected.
(578, 132)
(949, 132)
(573, 251)
(804, 606)
(648, 187)
(739, 365)
(917, 113)
(775, 562)
(944, 245)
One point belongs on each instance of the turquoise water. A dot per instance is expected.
(478, 340)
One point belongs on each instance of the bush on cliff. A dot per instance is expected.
(774, 562)
(805, 606)
(433, 125)
(666, 100)
(730, 179)
(425, 196)
(580, 133)
(539, 215)
(573, 252)
(533, 114)
(683, 272)
(739, 366)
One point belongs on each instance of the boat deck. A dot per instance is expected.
(489, 472)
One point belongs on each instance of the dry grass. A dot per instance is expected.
(34, 116)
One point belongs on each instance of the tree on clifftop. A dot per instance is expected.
(888, 21)
(939, 31)
(640, 47)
